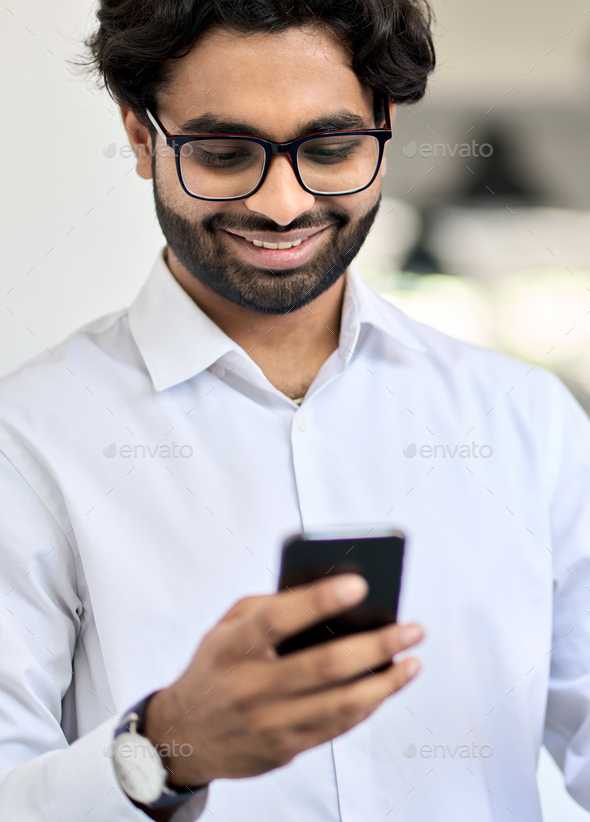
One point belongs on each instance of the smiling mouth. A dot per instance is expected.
(275, 243)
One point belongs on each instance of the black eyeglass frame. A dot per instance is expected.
(177, 141)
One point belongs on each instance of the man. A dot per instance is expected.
(153, 463)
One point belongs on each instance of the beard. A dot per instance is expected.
(201, 250)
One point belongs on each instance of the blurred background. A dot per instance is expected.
(484, 231)
(487, 232)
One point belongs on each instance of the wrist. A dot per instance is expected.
(164, 728)
(158, 720)
(138, 764)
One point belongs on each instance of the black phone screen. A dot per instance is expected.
(307, 558)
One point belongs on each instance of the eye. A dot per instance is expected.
(218, 153)
(328, 150)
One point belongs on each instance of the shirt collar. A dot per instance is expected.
(362, 306)
(177, 340)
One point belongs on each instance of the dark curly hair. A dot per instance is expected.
(137, 41)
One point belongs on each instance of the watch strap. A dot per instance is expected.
(135, 716)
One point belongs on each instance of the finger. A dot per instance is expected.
(322, 716)
(241, 608)
(339, 660)
(273, 618)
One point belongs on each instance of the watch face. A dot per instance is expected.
(139, 768)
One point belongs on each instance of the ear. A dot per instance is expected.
(141, 142)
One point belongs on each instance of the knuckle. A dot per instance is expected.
(240, 608)
(328, 665)
(265, 621)
(242, 697)
(262, 613)
(275, 741)
(349, 711)
(253, 605)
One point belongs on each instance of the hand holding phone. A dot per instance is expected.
(245, 710)
(377, 556)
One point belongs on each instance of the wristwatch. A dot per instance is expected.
(138, 764)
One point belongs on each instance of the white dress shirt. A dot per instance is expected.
(149, 473)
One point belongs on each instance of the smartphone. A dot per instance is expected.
(378, 557)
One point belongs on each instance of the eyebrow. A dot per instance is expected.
(212, 124)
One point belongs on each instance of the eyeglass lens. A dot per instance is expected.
(226, 168)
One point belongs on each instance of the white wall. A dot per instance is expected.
(78, 228)
(485, 48)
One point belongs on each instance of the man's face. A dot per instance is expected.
(271, 86)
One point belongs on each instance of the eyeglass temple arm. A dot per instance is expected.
(386, 114)
(157, 125)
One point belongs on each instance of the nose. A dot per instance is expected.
(280, 197)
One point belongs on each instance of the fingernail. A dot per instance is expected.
(410, 634)
(412, 666)
(352, 589)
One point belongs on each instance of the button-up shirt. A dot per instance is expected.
(149, 473)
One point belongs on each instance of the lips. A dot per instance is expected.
(277, 241)
(275, 250)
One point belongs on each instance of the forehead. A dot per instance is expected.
(270, 80)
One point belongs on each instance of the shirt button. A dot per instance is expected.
(301, 422)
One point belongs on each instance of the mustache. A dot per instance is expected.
(237, 223)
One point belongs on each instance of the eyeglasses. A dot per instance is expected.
(232, 167)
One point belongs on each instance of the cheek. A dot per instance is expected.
(166, 177)
(355, 206)
(171, 194)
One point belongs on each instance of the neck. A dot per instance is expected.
(289, 348)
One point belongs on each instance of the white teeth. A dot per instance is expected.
(260, 244)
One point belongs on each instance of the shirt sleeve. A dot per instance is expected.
(43, 778)
(567, 723)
